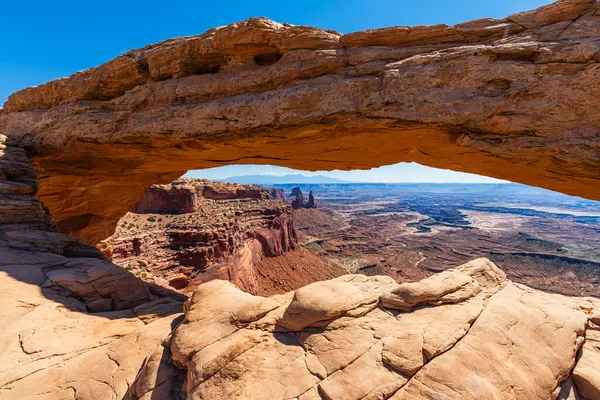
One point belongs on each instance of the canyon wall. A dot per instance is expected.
(182, 196)
(492, 97)
(192, 231)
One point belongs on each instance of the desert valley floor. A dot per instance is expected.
(406, 231)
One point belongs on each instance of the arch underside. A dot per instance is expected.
(515, 99)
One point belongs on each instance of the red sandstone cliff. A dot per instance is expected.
(183, 195)
(192, 231)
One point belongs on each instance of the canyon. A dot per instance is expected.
(512, 98)
(192, 231)
(407, 231)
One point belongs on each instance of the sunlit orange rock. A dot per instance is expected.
(514, 98)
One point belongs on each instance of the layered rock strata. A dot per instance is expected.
(492, 97)
(75, 326)
(184, 195)
(72, 324)
(192, 231)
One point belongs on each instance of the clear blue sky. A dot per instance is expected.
(45, 40)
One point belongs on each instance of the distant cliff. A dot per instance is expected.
(192, 231)
(182, 196)
(276, 193)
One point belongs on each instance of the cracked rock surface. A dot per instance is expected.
(467, 334)
(493, 96)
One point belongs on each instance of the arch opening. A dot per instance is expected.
(104, 180)
(255, 224)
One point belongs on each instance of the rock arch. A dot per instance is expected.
(514, 98)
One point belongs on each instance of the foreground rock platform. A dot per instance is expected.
(466, 333)
(492, 97)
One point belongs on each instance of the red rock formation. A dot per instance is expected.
(298, 202)
(171, 200)
(513, 98)
(276, 193)
(311, 201)
(213, 230)
(182, 196)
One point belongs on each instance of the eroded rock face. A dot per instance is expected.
(192, 231)
(493, 97)
(466, 333)
(311, 201)
(298, 202)
(73, 325)
(185, 195)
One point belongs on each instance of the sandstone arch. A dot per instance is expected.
(514, 98)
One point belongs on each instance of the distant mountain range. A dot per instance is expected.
(282, 179)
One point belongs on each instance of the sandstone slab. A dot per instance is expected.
(72, 324)
(502, 341)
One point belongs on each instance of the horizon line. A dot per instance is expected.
(380, 182)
